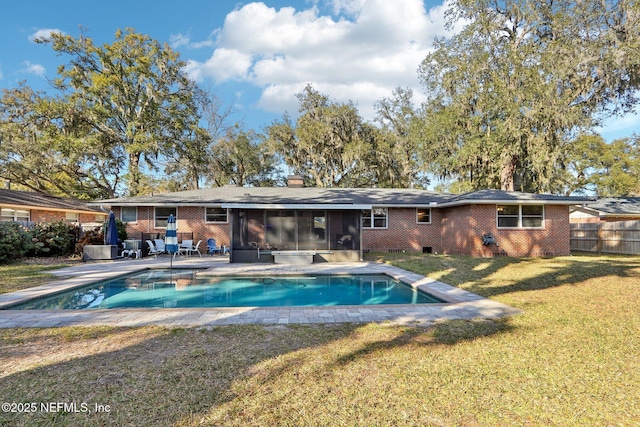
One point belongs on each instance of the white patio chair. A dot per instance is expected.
(196, 249)
(152, 249)
(184, 248)
(160, 247)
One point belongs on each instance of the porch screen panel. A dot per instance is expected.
(281, 229)
(312, 230)
(344, 230)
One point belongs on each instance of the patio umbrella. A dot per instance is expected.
(171, 242)
(111, 233)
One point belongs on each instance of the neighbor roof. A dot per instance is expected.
(337, 198)
(33, 200)
(616, 206)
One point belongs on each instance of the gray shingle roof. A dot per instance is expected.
(333, 196)
(617, 205)
(39, 200)
(493, 196)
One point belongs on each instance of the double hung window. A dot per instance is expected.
(375, 218)
(520, 216)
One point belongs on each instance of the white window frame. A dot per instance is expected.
(226, 220)
(122, 208)
(15, 215)
(370, 216)
(155, 216)
(520, 217)
(417, 217)
(72, 217)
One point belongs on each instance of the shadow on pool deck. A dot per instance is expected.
(461, 304)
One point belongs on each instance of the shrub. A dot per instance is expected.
(54, 239)
(14, 241)
(122, 230)
(89, 237)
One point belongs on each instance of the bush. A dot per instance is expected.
(54, 239)
(122, 230)
(15, 241)
(89, 237)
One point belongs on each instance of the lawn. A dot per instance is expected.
(22, 275)
(571, 358)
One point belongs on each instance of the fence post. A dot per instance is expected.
(600, 238)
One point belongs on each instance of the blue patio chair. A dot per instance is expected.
(212, 247)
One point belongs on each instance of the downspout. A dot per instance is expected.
(360, 232)
(231, 223)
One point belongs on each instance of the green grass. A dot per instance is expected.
(14, 277)
(571, 359)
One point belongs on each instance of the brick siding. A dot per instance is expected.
(190, 219)
(37, 215)
(403, 233)
(456, 230)
(463, 227)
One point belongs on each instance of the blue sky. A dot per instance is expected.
(253, 55)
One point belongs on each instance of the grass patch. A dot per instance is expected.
(14, 277)
(571, 359)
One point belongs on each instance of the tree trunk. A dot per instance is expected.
(507, 174)
(134, 174)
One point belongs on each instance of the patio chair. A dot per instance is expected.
(196, 249)
(152, 249)
(184, 248)
(160, 247)
(212, 247)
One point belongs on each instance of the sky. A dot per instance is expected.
(254, 56)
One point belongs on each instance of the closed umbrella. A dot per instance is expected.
(171, 243)
(111, 233)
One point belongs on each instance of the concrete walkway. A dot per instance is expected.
(460, 304)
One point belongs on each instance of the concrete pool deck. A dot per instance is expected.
(460, 304)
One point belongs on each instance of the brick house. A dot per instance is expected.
(339, 224)
(30, 207)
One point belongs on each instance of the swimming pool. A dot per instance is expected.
(184, 289)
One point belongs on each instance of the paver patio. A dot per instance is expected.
(460, 304)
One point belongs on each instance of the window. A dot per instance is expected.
(374, 218)
(7, 214)
(72, 217)
(129, 214)
(423, 216)
(162, 215)
(215, 214)
(520, 216)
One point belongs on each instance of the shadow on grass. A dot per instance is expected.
(485, 276)
(450, 332)
(160, 376)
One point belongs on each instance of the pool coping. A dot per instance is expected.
(460, 304)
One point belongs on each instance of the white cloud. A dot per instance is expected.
(369, 48)
(45, 34)
(178, 40)
(36, 69)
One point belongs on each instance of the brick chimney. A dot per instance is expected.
(295, 181)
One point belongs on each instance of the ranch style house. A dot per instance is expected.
(339, 224)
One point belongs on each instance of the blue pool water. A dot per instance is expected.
(185, 289)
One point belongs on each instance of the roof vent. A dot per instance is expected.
(295, 181)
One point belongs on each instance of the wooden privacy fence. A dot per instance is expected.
(622, 237)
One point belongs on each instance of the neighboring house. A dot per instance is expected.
(607, 210)
(339, 224)
(29, 207)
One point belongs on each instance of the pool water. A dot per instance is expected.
(185, 289)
